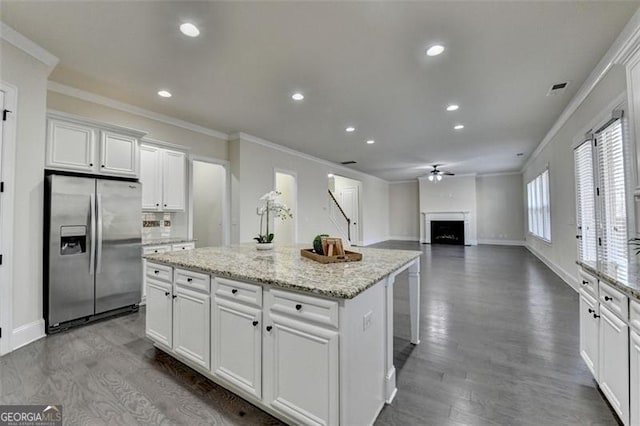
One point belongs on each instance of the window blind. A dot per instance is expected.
(612, 220)
(539, 206)
(585, 203)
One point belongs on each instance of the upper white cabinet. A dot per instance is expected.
(633, 90)
(163, 177)
(80, 145)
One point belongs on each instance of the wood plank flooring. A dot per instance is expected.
(499, 346)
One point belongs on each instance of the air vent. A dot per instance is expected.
(558, 88)
(348, 162)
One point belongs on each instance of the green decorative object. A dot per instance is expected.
(317, 244)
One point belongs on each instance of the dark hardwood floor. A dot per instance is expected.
(499, 346)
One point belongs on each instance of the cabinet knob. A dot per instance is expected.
(596, 316)
(157, 204)
(234, 291)
(102, 165)
(255, 323)
(156, 272)
(189, 280)
(90, 164)
(585, 282)
(165, 205)
(174, 296)
(166, 293)
(298, 307)
(591, 311)
(269, 328)
(607, 298)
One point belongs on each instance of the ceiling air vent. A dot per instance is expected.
(557, 88)
(348, 162)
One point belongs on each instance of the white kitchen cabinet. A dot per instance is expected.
(151, 177)
(70, 146)
(634, 364)
(301, 370)
(191, 325)
(118, 154)
(163, 177)
(614, 362)
(173, 180)
(159, 312)
(589, 332)
(236, 344)
(633, 91)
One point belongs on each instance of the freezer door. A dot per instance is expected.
(118, 244)
(70, 284)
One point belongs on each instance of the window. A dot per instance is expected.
(585, 202)
(539, 207)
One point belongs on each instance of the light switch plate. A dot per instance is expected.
(367, 320)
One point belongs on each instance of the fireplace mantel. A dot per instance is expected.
(465, 216)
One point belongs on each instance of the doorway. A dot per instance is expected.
(209, 203)
(285, 231)
(347, 193)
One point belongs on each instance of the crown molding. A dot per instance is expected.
(500, 174)
(28, 46)
(620, 52)
(333, 166)
(393, 182)
(121, 106)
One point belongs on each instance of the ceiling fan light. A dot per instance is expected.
(431, 178)
(439, 177)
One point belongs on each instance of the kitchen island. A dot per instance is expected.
(307, 342)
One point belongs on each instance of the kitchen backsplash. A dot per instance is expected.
(156, 225)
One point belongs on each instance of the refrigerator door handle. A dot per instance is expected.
(92, 258)
(99, 234)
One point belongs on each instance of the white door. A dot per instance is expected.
(236, 345)
(191, 325)
(301, 370)
(634, 362)
(350, 204)
(151, 177)
(614, 362)
(70, 146)
(173, 180)
(589, 330)
(159, 312)
(118, 154)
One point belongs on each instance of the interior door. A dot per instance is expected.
(118, 251)
(350, 205)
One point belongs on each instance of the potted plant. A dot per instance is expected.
(270, 207)
(635, 243)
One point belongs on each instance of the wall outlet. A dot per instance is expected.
(366, 320)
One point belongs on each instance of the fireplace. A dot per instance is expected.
(447, 232)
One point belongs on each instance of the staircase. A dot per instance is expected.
(339, 219)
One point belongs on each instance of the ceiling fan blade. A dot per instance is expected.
(447, 173)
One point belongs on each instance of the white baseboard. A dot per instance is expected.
(502, 242)
(27, 333)
(566, 276)
(403, 238)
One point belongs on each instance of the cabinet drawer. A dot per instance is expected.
(615, 301)
(155, 249)
(588, 282)
(250, 294)
(159, 272)
(193, 280)
(634, 315)
(183, 246)
(313, 309)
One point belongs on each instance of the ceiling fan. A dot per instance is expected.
(435, 175)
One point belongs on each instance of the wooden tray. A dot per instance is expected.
(349, 256)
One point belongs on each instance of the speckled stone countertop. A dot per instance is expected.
(164, 241)
(284, 267)
(626, 279)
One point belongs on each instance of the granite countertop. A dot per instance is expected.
(625, 279)
(284, 267)
(163, 241)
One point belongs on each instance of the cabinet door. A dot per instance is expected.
(236, 345)
(70, 146)
(151, 177)
(159, 312)
(589, 331)
(173, 180)
(191, 325)
(118, 154)
(301, 370)
(633, 84)
(614, 362)
(634, 362)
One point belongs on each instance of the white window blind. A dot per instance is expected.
(585, 203)
(539, 206)
(612, 218)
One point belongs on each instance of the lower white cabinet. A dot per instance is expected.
(191, 322)
(159, 312)
(589, 332)
(634, 364)
(614, 362)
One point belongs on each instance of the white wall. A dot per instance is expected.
(208, 203)
(30, 77)
(252, 166)
(284, 229)
(404, 211)
(558, 156)
(500, 209)
(451, 194)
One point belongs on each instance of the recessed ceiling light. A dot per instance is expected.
(297, 96)
(458, 127)
(371, 141)
(435, 50)
(164, 94)
(453, 107)
(350, 129)
(189, 29)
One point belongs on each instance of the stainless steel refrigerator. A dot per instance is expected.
(93, 264)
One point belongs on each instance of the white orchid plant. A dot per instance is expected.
(271, 206)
